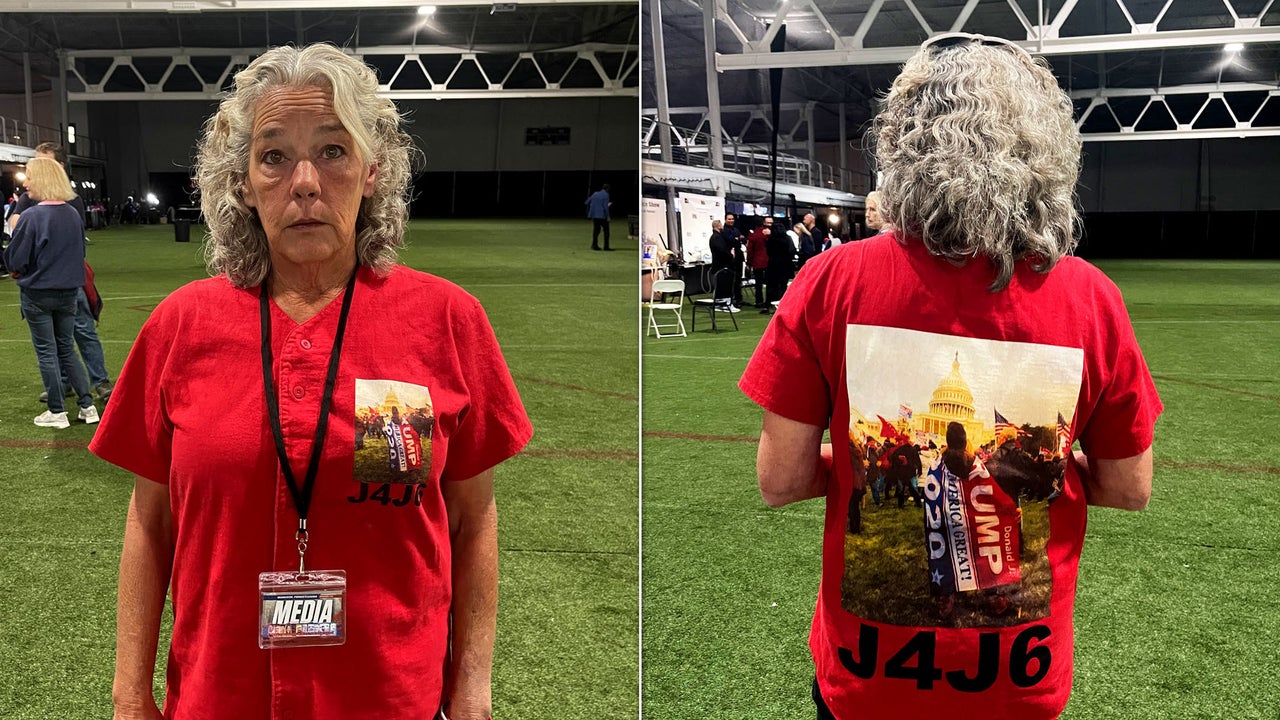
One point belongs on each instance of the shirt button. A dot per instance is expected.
(306, 344)
(298, 392)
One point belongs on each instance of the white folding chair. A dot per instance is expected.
(668, 295)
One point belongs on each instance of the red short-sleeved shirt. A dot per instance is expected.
(962, 601)
(189, 410)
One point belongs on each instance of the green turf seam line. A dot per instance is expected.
(561, 454)
(576, 388)
(1222, 388)
(553, 551)
(1139, 540)
(669, 435)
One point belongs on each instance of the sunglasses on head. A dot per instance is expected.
(946, 40)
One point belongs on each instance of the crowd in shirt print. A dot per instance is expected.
(394, 424)
(958, 447)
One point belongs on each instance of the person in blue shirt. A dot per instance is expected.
(598, 210)
(46, 257)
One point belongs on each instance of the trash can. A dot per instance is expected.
(182, 230)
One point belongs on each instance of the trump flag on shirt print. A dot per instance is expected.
(959, 536)
(394, 424)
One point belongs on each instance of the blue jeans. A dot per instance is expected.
(51, 314)
(877, 487)
(87, 341)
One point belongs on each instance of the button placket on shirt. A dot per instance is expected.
(296, 355)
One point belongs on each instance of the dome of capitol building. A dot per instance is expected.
(952, 401)
(952, 398)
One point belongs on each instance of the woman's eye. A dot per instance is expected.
(333, 152)
(272, 157)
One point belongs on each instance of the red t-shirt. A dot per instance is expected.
(189, 411)
(961, 602)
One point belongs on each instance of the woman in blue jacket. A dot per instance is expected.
(46, 256)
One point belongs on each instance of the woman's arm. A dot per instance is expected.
(792, 463)
(473, 532)
(1123, 483)
(145, 565)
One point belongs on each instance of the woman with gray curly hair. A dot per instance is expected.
(970, 314)
(366, 452)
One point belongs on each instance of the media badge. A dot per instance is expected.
(302, 609)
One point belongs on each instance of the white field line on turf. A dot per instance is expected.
(28, 341)
(476, 285)
(1202, 322)
(695, 357)
(111, 298)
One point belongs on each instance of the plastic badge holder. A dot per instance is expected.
(302, 609)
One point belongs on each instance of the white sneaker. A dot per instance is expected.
(89, 414)
(53, 420)
(734, 308)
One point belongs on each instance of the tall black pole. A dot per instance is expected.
(775, 98)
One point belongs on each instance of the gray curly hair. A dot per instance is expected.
(980, 156)
(237, 244)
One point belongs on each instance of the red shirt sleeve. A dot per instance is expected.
(1122, 423)
(785, 375)
(135, 432)
(494, 426)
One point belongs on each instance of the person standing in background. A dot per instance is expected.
(875, 221)
(46, 257)
(733, 236)
(86, 331)
(598, 210)
(758, 257)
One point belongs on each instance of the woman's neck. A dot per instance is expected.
(302, 292)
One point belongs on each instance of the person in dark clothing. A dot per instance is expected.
(817, 234)
(47, 259)
(778, 272)
(86, 332)
(722, 260)
(758, 257)
(734, 238)
(598, 211)
(808, 247)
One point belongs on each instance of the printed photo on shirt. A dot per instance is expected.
(394, 423)
(958, 448)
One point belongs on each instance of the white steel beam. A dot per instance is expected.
(392, 94)
(359, 51)
(1183, 134)
(440, 86)
(197, 6)
(1122, 42)
(1199, 89)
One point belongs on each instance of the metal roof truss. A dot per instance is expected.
(443, 77)
(1042, 36)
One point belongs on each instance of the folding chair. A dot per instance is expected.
(715, 304)
(663, 289)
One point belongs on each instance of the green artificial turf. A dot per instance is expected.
(567, 625)
(1175, 616)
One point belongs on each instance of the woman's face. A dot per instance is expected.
(306, 177)
(873, 215)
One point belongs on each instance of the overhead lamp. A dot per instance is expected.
(22, 177)
(1233, 48)
(833, 220)
(426, 9)
(152, 200)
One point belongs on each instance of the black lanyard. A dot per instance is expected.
(301, 497)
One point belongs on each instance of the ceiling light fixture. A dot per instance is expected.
(426, 9)
(1233, 47)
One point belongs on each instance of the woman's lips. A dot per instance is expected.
(306, 223)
